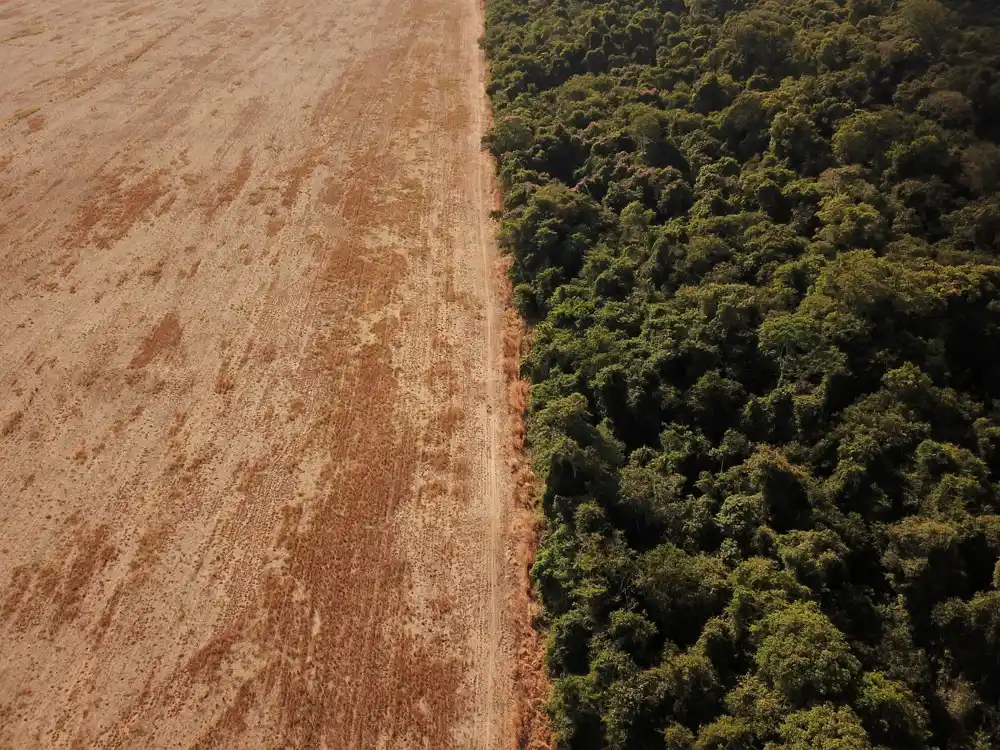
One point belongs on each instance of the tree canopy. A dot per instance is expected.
(758, 243)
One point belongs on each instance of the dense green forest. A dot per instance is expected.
(759, 245)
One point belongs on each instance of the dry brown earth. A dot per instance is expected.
(253, 488)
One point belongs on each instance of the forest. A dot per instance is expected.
(758, 245)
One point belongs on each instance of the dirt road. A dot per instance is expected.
(252, 475)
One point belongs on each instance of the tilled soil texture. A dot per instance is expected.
(253, 483)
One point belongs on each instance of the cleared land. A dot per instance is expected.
(253, 488)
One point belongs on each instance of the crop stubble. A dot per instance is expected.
(254, 481)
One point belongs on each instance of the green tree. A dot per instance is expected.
(681, 591)
(891, 712)
(726, 733)
(930, 21)
(824, 727)
(803, 655)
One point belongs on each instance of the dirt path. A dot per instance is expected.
(253, 487)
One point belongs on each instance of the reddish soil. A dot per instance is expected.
(255, 456)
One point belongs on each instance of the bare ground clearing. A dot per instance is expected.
(253, 483)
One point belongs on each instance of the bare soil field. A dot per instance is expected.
(253, 482)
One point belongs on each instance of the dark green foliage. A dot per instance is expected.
(803, 656)
(823, 727)
(758, 241)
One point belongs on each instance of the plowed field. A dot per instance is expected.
(253, 485)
